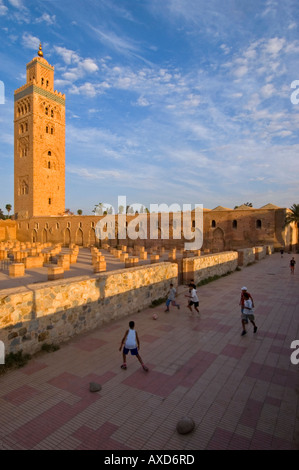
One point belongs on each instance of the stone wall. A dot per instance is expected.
(246, 256)
(202, 267)
(8, 230)
(54, 312)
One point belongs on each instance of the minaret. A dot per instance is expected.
(39, 143)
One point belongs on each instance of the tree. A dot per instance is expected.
(8, 207)
(293, 216)
(2, 216)
(121, 209)
(249, 204)
(98, 209)
(79, 211)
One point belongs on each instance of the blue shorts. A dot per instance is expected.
(134, 351)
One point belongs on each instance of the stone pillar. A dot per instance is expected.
(16, 270)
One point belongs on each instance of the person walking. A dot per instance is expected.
(130, 342)
(171, 298)
(247, 314)
(292, 265)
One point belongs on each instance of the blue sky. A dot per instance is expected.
(166, 101)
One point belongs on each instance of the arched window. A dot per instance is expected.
(213, 223)
(49, 153)
(57, 225)
(92, 224)
(258, 224)
(42, 81)
(47, 83)
(26, 127)
(50, 200)
(47, 111)
(49, 165)
(68, 225)
(235, 224)
(21, 129)
(52, 113)
(47, 129)
(24, 188)
(193, 223)
(52, 130)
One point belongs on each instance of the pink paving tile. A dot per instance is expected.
(239, 443)
(224, 328)
(270, 334)
(99, 439)
(151, 382)
(164, 327)
(275, 375)
(273, 401)
(262, 310)
(33, 367)
(251, 413)
(162, 385)
(148, 338)
(261, 441)
(260, 371)
(21, 395)
(34, 431)
(220, 439)
(280, 350)
(79, 385)
(88, 344)
(233, 351)
(207, 324)
(282, 444)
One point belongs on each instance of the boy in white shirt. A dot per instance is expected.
(130, 342)
(247, 314)
(193, 299)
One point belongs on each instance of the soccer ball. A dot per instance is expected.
(155, 316)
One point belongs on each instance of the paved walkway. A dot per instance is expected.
(242, 392)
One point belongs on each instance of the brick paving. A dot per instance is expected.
(242, 392)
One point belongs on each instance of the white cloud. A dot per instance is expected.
(80, 68)
(17, 4)
(274, 46)
(50, 20)
(89, 65)
(142, 101)
(3, 8)
(114, 41)
(67, 55)
(268, 90)
(87, 89)
(29, 41)
(241, 71)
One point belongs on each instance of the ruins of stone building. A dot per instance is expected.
(39, 186)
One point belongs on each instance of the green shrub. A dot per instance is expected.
(14, 361)
(157, 302)
(50, 347)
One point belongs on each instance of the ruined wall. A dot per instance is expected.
(56, 311)
(8, 230)
(202, 267)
